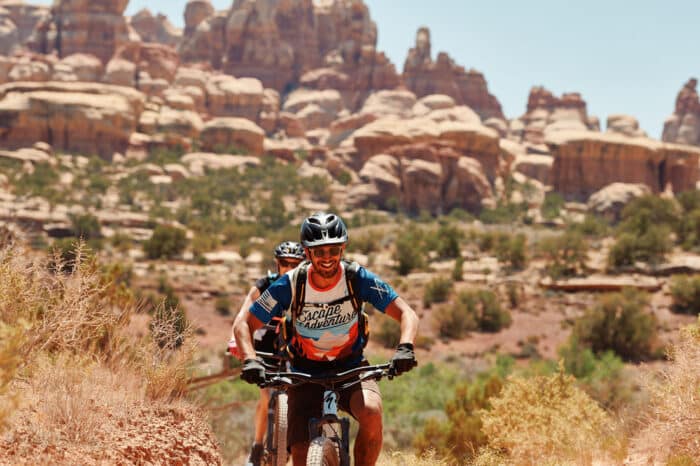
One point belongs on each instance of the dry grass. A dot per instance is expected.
(79, 380)
(398, 458)
(674, 427)
(548, 420)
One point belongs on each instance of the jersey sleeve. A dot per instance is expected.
(374, 290)
(273, 301)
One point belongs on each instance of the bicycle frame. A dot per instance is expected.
(326, 425)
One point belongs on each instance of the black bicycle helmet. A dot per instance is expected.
(323, 228)
(289, 249)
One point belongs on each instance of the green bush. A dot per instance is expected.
(503, 213)
(436, 291)
(511, 250)
(685, 292)
(86, 226)
(592, 226)
(409, 254)
(166, 242)
(448, 241)
(565, 255)
(619, 322)
(552, 205)
(651, 246)
(602, 377)
(471, 310)
(644, 231)
(461, 436)
(458, 270)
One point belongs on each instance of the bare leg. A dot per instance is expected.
(366, 406)
(299, 451)
(261, 415)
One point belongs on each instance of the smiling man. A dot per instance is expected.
(328, 333)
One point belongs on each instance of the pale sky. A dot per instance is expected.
(622, 56)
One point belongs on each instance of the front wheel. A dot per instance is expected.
(279, 436)
(323, 452)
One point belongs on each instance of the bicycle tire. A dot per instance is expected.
(323, 452)
(279, 436)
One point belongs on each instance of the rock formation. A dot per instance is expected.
(322, 45)
(23, 16)
(86, 118)
(683, 126)
(548, 113)
(95, 27)
(424, 76)
(587, 161)
(155, 28)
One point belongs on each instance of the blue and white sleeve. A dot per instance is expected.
(274, 301)
(374, 290)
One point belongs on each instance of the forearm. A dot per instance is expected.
(407, 317)
(244, 338)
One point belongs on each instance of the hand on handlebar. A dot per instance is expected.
(404, 359)
(253, 371)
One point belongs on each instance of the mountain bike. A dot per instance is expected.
(330, 434)
(275, 445)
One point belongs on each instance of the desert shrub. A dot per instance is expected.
(436, 291)
(222, 305)
(471, 310)
(344, 177)
(547, 419)
(592, 226)
(685, 292)
(675, 405)
(409, 254)
(461, 436)
(458, 269)
(619, 322)
(166, 242)
(552, 205)
(388, 332)
(448, 241)
(43, 182)
(650, 246)
(565, 255)
(87, 228)
(511, 250)
(602, 377)
(644, 231)
(503, 213)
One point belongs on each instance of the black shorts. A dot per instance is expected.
(305, 402)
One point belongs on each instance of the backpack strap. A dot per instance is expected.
(299, 284)
(351, 269)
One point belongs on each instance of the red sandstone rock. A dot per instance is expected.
(159, 61)
(155, 28)
(87, 118)
(95, 27)
(684, 125)
(24, 16)
(586, 161)
(424, 77)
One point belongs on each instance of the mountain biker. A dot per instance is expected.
(328, 334)
(288, 255)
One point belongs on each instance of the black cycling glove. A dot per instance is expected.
(253, 371)
(404, 359)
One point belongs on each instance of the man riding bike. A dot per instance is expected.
(288, 255)
(327, 331)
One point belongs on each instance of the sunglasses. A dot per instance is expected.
(320, 253)
(288, 263)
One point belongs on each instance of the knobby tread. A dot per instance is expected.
(280, 434)
(323, 452)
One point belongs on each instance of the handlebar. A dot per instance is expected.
(288, 379)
